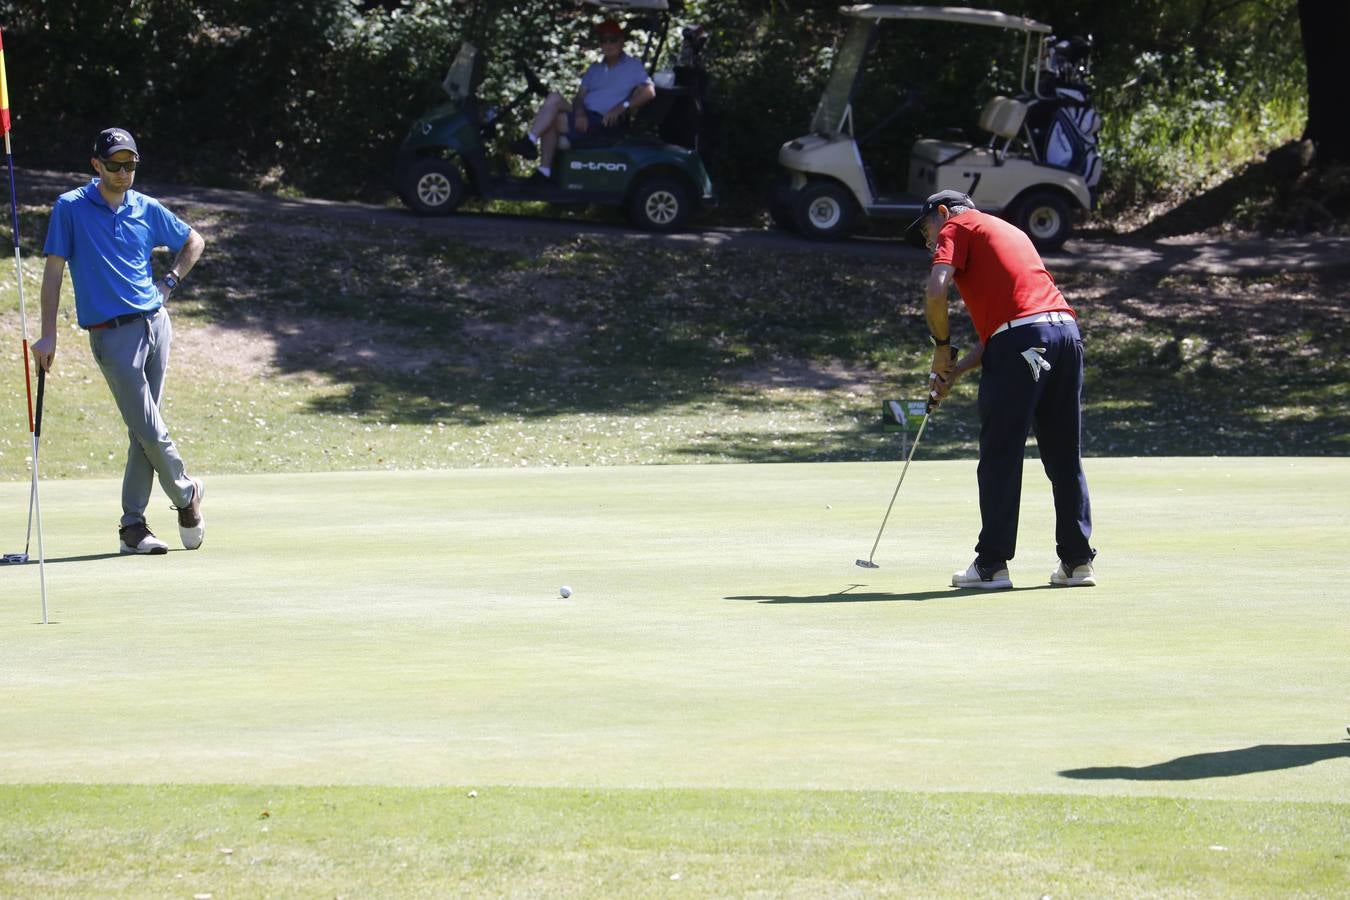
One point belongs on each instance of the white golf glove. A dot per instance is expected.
(1035, 362)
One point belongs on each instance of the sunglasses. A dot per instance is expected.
(128, 166)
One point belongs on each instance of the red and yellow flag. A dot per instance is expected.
(4, 91)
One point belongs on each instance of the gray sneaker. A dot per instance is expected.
(1079, 576)
(986, 578)
(191, 525)
(138, 538)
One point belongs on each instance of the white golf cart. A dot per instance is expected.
(1037, 168)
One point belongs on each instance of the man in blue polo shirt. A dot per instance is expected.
(610, 89)
(106, 231)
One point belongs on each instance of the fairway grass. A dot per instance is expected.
(186, 841)
(725, 697)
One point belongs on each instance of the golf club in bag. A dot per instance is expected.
(928, 412)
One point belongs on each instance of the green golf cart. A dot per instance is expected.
(651, 169)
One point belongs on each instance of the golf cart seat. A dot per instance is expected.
(609, 137)
(674, 115)
(1003, 118)
(646, 120)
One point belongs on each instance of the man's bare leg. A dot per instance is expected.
(543, 123)
(548, 142)
(547, 117)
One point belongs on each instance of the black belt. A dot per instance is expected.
(119, 321)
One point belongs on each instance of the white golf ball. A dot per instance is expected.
(565, 591)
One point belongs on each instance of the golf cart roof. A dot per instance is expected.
(958, 14)
(656, 5)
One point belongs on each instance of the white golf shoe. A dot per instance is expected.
(983, 578)
(191, 525)
(138, 538)
(1081, 576)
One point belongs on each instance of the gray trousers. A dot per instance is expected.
(134, 359)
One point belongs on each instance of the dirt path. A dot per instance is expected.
(1194, 255)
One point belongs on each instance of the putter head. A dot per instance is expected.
(13, 559)
(865, 564)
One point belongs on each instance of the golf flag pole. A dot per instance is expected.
(35, 504)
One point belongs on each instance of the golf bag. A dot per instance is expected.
(1062, 123)
(683, 124)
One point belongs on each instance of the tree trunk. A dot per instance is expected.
(1326, 34)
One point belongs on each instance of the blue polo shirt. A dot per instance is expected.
(108, 250)
(608, 86)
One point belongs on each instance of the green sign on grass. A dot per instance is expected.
(902, 415)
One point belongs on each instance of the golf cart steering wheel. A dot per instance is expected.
(536, 86)
(911, 100)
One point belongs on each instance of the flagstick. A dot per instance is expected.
(36, 502)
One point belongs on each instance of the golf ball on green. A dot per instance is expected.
(565, 591)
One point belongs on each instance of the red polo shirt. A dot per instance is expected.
(998, 271)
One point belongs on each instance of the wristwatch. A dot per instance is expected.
(943, 342)
(171, 281)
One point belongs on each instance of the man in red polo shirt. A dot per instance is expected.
(1031, 381)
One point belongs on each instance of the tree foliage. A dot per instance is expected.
(315, 95)
(312, 94)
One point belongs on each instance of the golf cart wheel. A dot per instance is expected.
(824, 210)
(659, 204)
(1045, 217)
(433, 187)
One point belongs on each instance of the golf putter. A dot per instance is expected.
(15, 559)
(932, 395)
(867, 563)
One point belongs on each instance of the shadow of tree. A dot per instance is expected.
(1177, 366)
(1220, 764)
(1214, 206)
(1212, 364)
(1288, 190)
(417, 328)
(581, 328)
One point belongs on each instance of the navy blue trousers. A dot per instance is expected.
(1013, 403)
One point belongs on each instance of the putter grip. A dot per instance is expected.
(37, 418)
(930, 405)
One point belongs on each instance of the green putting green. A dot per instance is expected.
(405, 629)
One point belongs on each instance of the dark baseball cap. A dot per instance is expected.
(941, 198)
(110, 140)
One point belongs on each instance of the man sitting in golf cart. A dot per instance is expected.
(610, 89)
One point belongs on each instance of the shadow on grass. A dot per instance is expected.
(94, 557)
(436, 330)
(1216, 369)
(89, 557)
(1221, 764)
(849, 596)
(33, 560)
